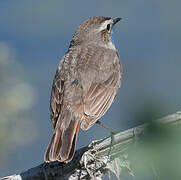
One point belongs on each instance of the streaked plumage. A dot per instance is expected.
(84, 87)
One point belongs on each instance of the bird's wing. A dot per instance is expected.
(99, 98)
(56, 98)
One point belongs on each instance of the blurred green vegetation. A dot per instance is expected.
(156, 153)
(16, 97)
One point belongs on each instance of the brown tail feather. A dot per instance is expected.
(63, 142)
(47, 153)
(72, 151)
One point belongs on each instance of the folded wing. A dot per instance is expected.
(99, 98)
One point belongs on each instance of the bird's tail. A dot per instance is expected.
(63, 142)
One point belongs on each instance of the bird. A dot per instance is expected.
(85, 85)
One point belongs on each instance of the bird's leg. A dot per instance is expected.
(111, 145)
(112, 132)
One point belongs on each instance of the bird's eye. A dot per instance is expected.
(108, 27)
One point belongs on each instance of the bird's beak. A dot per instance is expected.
(116, 20)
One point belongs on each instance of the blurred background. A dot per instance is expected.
(35, 34)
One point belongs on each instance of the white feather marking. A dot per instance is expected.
(104, 24)
(110, 45)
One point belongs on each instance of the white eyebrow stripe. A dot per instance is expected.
(104, 25)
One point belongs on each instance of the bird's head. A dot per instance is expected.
(97, 30)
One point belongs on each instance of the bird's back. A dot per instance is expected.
(91, 68)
